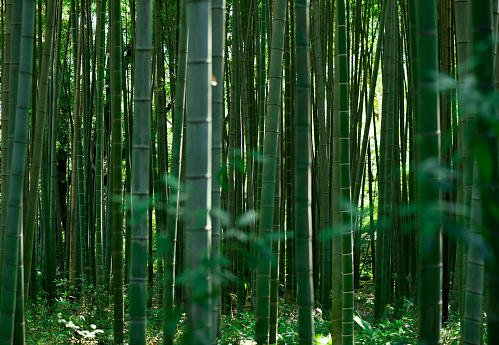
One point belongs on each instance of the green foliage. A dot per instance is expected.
(85, 334)
(70, 322)
(451, 334)
(397, 331)
(240, 329)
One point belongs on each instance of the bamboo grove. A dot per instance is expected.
(212, 156)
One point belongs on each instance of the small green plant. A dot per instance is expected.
(322, 340)
(368, 334)
(451, 332)
(85, 334)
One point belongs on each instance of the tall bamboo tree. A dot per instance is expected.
(12, 278)
(116, 182)
(218, 49)
(38, 144)
(472, 320)
(485, 148)
(430, 237)
(198, 172)
(174, 196)
(140, 177)
(323, 165)
(74, 152)
(345, 194)
(99, 151)
(162, 143)
(262, 312)
(6, 59)
(462, 12)
(384, 184)
(303, 177)
(8, 116)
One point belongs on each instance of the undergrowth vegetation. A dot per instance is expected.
(71, 322)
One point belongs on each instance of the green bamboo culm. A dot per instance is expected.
(36, 157)
(80, 112)
(6, 55)
(116, 181)
(385, 181)
(12, 50)
(341, 57)
(261, 95)
(303, 177)
(162, 159)
(472, 320)
(140, 173)
(23, 100)
(274, 250)
(82, 158)
(262, 311)
(18, 67)
(74, 163)
(463, 43)
(99, 152)
(170, 319)
(430, 237)
(485, 148)
(12, 282)
(323, 171)
(16, 28)
(56, 107)
(336, 260)
(470, 269)
(198, 174)
(218, 49)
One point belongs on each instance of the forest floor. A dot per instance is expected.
(71, 323)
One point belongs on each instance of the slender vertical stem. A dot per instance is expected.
(116, 182)
(218, 39)
(303, 177)
(268, 173)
